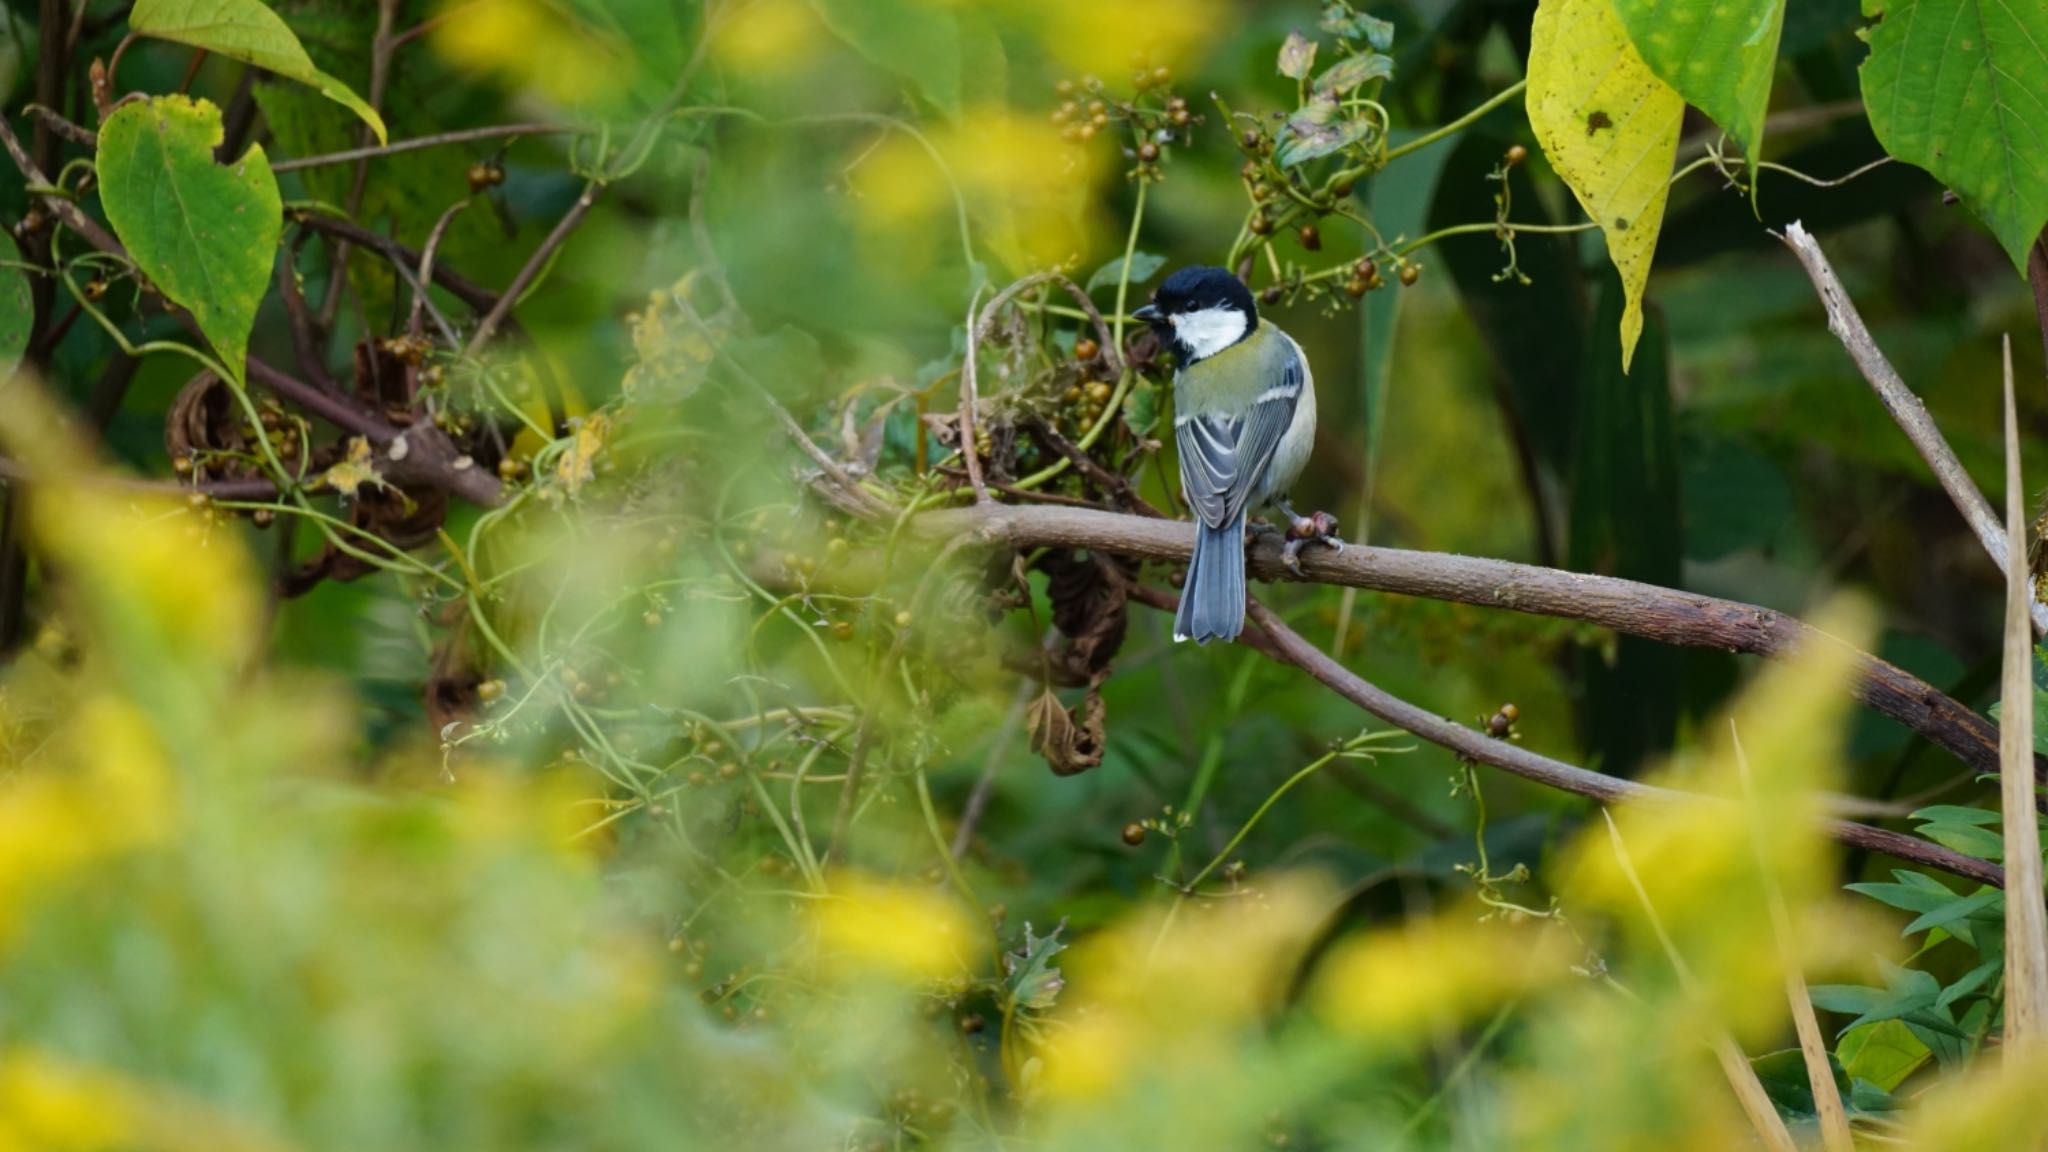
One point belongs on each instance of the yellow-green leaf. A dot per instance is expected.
(1610, 128)
(1719, 55)
(246, 30)
(205, 233)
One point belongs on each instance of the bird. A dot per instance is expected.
(1244, 421)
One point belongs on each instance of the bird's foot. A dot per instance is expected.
(1315, 528)
(1253, 529)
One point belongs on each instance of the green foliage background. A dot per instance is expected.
(357, 811)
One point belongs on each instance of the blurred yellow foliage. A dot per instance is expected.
(1409, 983)
(1028, 191)
(767, 38)
(529, 43)
(1709, 866)
(907, 933)
(48, 1106)
(1105, 39)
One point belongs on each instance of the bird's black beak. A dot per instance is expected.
(1149, 313)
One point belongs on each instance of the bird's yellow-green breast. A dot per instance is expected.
(1230, 381)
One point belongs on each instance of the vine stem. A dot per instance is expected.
(1123, 281)
(1455, 126)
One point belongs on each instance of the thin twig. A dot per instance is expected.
(1905, 408)
(488, 327)
(984, 787)
(1645, 610)
(970, 393)
(472, 294)
(419, 143)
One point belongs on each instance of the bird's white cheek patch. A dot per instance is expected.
(1209, 331)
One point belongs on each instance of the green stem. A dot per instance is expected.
(1123, 281)
(1455, 126)
(1313, 767)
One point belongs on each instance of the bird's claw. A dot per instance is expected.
(1315, 528)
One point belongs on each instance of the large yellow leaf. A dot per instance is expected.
(1610, 128)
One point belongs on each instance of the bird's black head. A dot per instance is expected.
(1200, 311)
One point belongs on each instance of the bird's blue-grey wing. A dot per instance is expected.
(1222, 457)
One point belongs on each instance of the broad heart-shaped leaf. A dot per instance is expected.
(919, 42)
(245, 30)
(1960, 88)
(206, 234)
(1718, 54)
(1610, 128)
(17, 309)
(1144, 265)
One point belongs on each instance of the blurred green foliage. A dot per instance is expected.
(658, 800)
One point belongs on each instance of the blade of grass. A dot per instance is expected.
(1742, 1078)
(1820, 1074)
(2026, 923)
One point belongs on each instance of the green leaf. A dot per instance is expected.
(1914, 892)
(1957, 814)
(1144, 265)
(1960, 88)
(1352, 71)
(1315, 130)
(1141, 409)
(1034, 981)
(1970, 840)
(918, 42)
(1971, 981)
(246, 30)
(1884, 1053)
(17, 308)
(1944, 916)
(205, 233)
(1719, 54)
(1297, 56)
(1349, 25)
(1610, 129)
(1784, 1079)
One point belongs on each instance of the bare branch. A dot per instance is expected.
(438, 140)
(2026, 925)
(1274, 638)
(1906, 409)
(1645, 610)
(488, 327)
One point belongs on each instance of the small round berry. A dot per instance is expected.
(263, 517)
(1086, 349)
(1099, 391)
(1134, 834)
(1410, 273)
(903, 619)
(1511, 712)
(1262, 225)
(1311, 237)
(842, 629)
(1365, 269)
(1162, 75)
(1341, 189)
(1355, 287)
(1516, 154)
(1148, 152)
(490, 690)
(1064, 88)
(1179, 117)
(729, 770)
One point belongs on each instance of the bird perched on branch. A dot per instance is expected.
(1245, 420)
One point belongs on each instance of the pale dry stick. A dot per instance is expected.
(1749, 1091)
(1832, 1119)
(438, 140)
(970, 398)
(1905, 407)
(2026, 922)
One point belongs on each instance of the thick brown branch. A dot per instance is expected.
(1273, 637)
(1645, 610)
(1905, 407)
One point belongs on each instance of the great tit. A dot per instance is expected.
(1245, 420)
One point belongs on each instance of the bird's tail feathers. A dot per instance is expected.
(1212, 597)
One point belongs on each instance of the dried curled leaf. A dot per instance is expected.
(1071, 742)
(1090, 594)
(355, 470)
